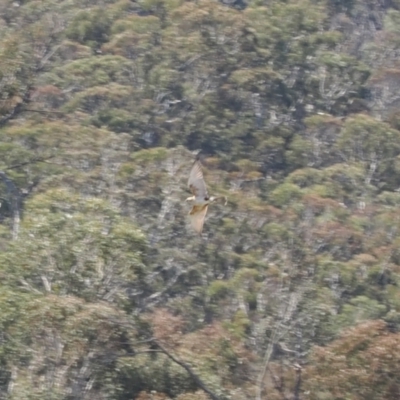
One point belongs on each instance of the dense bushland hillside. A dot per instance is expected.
(292, 292)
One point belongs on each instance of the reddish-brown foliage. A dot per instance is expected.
(362, 364)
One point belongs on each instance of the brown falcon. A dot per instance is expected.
(200, 198)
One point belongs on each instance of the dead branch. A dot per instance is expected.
(189, 370)
(35, 160)
(45, 111)
(298, 383)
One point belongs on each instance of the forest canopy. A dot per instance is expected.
(292, 290)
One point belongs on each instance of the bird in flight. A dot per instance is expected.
(200, 198)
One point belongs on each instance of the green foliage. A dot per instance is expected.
(392, 21)
(90, 28)
(137, 24)
(77, 245)
(218, 290)
(361, 308)
(95, 71)
(115, 120)
(164, 376)
(363, 138)
(285, 194)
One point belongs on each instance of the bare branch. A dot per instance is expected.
(298, 383)
(45, 111)
(193, 375)
(35, 160)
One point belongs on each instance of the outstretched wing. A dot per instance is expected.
(197, 216)
(196, 182)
